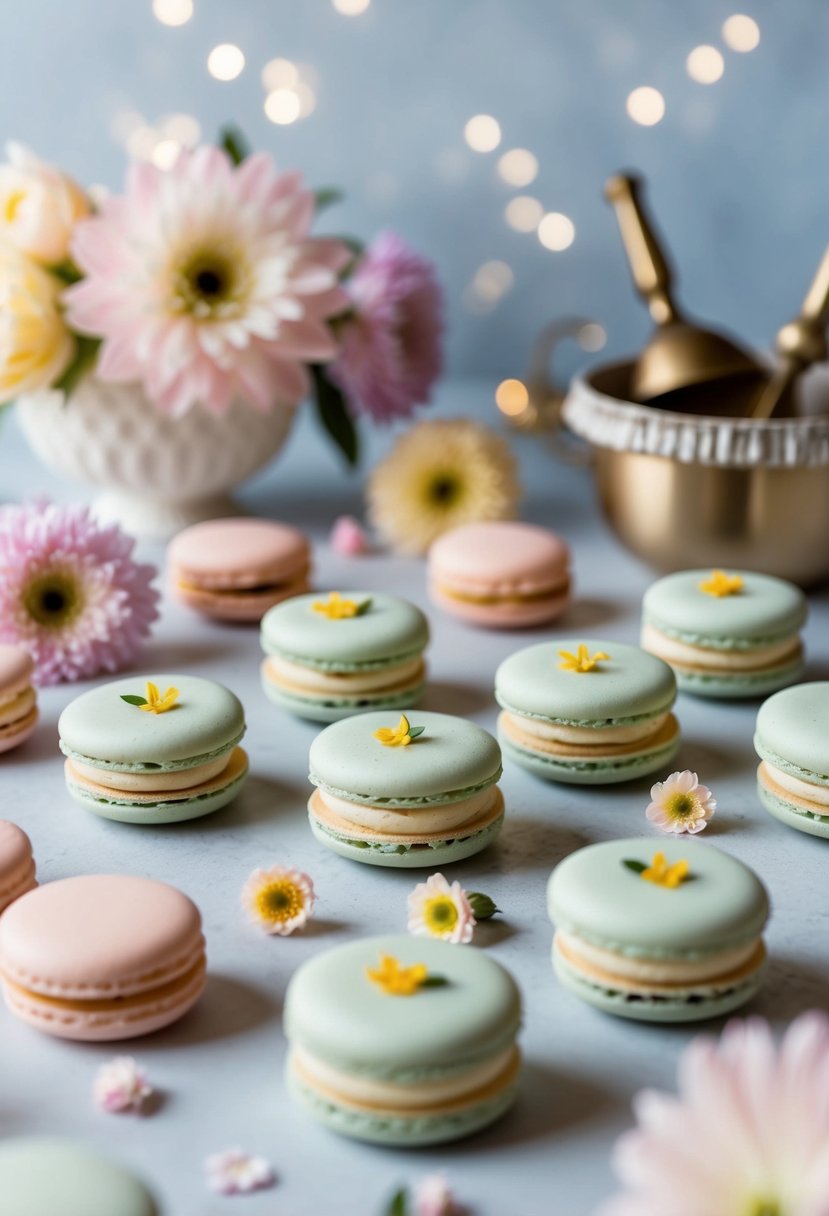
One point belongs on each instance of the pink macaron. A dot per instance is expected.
(100, 957)
(501, 575)
(17, 865)
(18, 700)
(236, 569)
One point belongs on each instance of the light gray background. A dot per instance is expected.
(220, 1068)
(739, 172)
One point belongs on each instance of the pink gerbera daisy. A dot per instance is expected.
(747, 1135)
(204, 284)
(70, 592)
(392, 344)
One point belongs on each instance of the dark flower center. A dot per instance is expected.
(682, 805)
(444, 490)
(53, 600)
(209, 282)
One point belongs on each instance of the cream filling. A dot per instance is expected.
(367, 1091)
(656, 971)
(674, 651)
(159, 782)
(309, 679)
(590, 736)
(801, 789)
(17, 707)
(414, 821)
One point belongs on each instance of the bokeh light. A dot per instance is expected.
(351, 8)
(283, 106)
(511, 397)
(173, 12)
(518, 167)
(646, 106)
(523, 213)
(556, 231)
(741, 33)
(165, 153)
(225, 61)
(592, 336)
(482, 133)
(705, 64)
(279, 74)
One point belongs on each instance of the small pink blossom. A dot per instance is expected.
(746, 1135)
(348, 537)
(391, 352)
(235, 1172)
(279, 899)
(70, 592)
(121, 1085)
(680, 804)
(438, 909)
(432, 1197)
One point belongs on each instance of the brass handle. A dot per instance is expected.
(800, 343)
(651, 271)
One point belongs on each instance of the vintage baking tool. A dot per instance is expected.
(705, 366)
(799, 344)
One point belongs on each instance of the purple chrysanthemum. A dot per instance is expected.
(70, 592)
(392, 350)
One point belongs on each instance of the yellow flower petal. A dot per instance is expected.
(720, 584)
(582, 661)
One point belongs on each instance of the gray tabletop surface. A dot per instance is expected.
(220, 1069)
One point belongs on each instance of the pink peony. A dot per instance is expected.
(235, 1172)
(391, 352)
(204, 284)
(121, 1085)
(748, 1134)
(70, 592)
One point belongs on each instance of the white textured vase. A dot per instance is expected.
(156, 473)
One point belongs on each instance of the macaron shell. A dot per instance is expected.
(451, 758)
(500, 558)
(14, 734)
(17, 866)
(238, 553)
(739, 684)
(100, 726)
(653, 754)
(792, 731)
(389, 629)
(629, 684)
(99, 936)
(438, 854)
(337, 1013)
(175, 806)
(764, 609)
(45, 1176)
(594, 894)
(248, 607)
(503, 613)
(790, 811)
(16, 670)
(330, 709)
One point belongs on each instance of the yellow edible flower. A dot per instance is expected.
(582, 661)
(399, 736)
(396, 980)
(155, 703)
(663, 875)
(335, 607)
(721, 584)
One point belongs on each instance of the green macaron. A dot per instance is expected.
(46, 1176)
(154, 749)
(587, 712)
(792, 741)
(658, 931)
(402, 1040)
(405, 790)
(726, 633)
(332, 656)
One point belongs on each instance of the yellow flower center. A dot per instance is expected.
(156, 703)
(443, 488)
(664, 875)
(54, 599)
(210, 284)
(12, 205)
(765, 1207)
(280, 901)
(440, 914)
(582, 660)
(396, 980)
(336, 608)
(681, 806)
(721, 584)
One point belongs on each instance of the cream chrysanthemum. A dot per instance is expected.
(438, 475)
(439, 909)
(680, 804)
(279, 899)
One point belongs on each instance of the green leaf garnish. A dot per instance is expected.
(636, 866)
(333, 413)
(399, 1205)
(414, 731)
(234, 143)
(363, 608)
(327, 196)
(435, 981)
(482, 906)
(86, 352)
(131, 699)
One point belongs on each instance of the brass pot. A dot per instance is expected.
(681, 490)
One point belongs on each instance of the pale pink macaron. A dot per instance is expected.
(17, 865)
(236, 569)
(100, 957)
(18, 700)
(501, 575)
